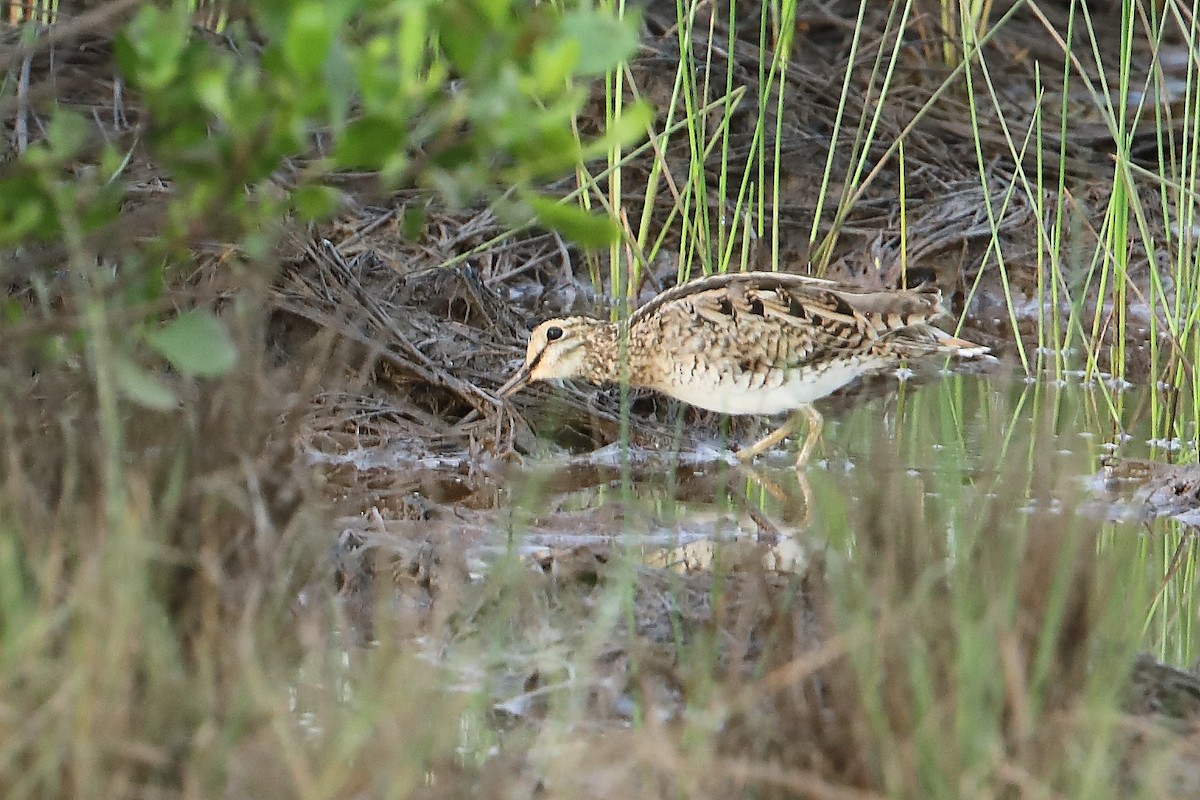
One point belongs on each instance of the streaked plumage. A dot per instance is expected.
(747, 343)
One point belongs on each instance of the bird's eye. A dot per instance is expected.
(553, 333)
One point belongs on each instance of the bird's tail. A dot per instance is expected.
(956, 346)
(927, 340)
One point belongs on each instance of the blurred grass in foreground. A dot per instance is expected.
(957, 623)
(960, 627)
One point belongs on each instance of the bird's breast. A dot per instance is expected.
(760, 391)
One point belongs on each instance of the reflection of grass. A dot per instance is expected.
(960, 623)
(1099, 318)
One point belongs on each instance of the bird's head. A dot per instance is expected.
(558, 348)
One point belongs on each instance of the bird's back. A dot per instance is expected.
(763, 342)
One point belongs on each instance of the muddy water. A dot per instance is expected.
(1050, 447)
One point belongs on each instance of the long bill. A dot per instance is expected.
(516, 383)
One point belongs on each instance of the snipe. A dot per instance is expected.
(748, 343)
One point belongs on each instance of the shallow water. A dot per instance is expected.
(948, 451)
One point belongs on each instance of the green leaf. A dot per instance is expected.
(67, 133)
(553, 64)
(196, 343)
(22, 216)
(151, 47)
(582, 227)
(368, 142)
(212, 89)
(340, 83)
(497, 11)
(316, 202)
(412, 223)
(102, 207)
(142, 387)
(604, 40)
(463, 36)
(309, 37)
(630, 127)
(549, 151)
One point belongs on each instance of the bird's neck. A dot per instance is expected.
(613, 357)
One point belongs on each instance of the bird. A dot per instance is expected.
(748, 343)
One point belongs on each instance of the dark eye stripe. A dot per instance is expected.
(536, 360)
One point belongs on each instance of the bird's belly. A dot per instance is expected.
(746, 393)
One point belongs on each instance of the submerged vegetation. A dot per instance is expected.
(266, 531)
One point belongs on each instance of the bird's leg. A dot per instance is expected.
(770, 440)
(806, 413)
(815, 424)
(784, 498)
